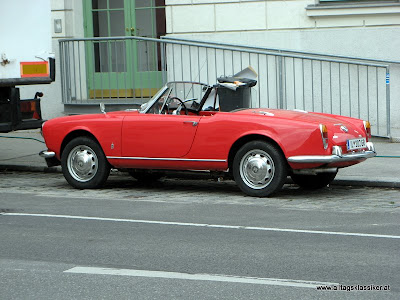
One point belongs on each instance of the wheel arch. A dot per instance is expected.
(74, 134)
(248, 138)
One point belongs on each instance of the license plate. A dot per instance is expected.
(356, 144)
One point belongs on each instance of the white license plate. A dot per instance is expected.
(356, 144)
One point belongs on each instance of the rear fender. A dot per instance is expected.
(252, 136)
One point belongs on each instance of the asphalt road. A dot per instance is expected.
(191, 239)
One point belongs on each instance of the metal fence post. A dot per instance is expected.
(62, 75)
(163, 61)
(67, 74)
(281, 74)
(388, 101)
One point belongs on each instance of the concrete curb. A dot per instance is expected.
(360, 182)
(342, 182)
(366, 183)
(30, 169)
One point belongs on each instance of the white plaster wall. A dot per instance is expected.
(240, 16)
(193, 18)
(377, 43)
(288, 14)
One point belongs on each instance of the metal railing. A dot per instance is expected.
(129, 70)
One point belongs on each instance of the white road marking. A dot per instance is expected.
(205, 225)
(199, 277)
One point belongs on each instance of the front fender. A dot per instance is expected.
(106, 131)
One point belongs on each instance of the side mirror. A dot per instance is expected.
(103, 108)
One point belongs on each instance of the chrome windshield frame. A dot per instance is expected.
(164, 89)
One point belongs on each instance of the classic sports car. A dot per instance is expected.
(183, 128)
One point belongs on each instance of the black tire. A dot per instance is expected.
(84, 164)
(146, 176)
(313, 182)
(259, 168)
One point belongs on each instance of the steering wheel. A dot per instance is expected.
(179, 108)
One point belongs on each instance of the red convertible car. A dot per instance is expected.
(184, 128)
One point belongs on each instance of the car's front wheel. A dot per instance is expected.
(313, 182)
(84, 164)
(259, 168)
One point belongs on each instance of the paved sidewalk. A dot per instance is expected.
(19, 152)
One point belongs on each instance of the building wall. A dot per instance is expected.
(291, 24)
(358, 30)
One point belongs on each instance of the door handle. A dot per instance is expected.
(194, 123)
(132, 30)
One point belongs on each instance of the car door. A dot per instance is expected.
(158, 136)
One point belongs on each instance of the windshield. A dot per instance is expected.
(189, 93)
(144, 106)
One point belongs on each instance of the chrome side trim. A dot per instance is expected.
(47, 154)
(336, 156)
(167, 159)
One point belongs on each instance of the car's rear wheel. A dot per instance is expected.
(84, 164)
(313, 182)
(259, 168)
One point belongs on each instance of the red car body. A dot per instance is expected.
(310, 143)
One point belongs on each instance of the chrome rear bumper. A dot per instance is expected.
(336, 156)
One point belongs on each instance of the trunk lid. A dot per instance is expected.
(340, 129)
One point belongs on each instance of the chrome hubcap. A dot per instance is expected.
(82, 163)
(257, 169)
